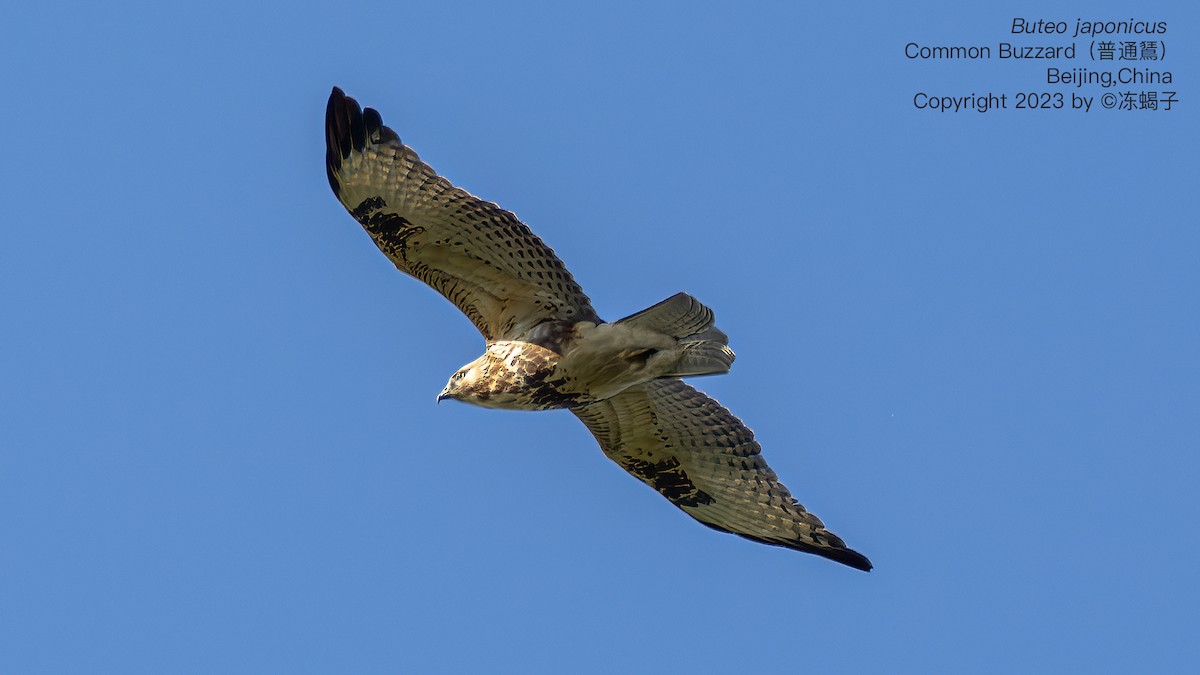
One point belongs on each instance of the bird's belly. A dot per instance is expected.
(532, 399)
(523, 378)
(551, 386)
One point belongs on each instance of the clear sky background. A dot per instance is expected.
(967, 341)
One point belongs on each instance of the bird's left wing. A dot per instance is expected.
(476, 254)
(701, 457)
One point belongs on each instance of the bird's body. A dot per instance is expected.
(563, 364)
(546, 347)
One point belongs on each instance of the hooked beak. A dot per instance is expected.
(443, 395)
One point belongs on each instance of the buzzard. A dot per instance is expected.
(547, 348)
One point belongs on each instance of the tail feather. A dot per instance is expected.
(701, 348)
(703, 357)
(713, 334)
(680, 316)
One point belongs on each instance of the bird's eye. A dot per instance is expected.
(459, 375)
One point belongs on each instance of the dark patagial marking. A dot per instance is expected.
(370, 205)
(669, 479)
(392, 228)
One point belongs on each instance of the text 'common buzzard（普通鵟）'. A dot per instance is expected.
(547, 348)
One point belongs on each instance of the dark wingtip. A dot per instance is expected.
(340, 113)
(849, 557)
(846, 556)
(836, 553)
(349, 128)
(835, 549)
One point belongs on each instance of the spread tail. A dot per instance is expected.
(702, 347)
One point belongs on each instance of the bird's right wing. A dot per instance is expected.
(701, 457)
(476, 254)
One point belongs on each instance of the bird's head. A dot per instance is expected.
(494, 380)
(470, 383)
(460, 384)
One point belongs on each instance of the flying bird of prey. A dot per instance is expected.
(547, 348)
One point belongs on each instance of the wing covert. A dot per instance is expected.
(476, 254)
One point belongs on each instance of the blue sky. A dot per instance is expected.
(967, 341)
